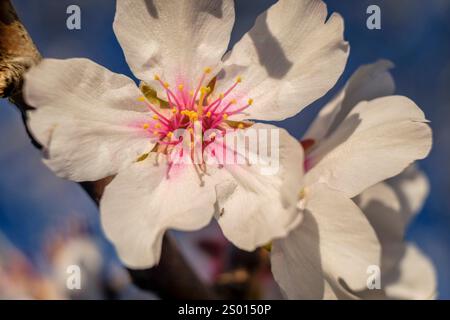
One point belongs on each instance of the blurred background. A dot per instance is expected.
(46, 221)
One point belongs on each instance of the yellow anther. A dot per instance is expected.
(166, 85)
(155, 116)
(158, 126)
(268, 246)
(142, 99)
(155, 132)
(250, 102)
(207, 70)
(221, 96)
(174, 110)
(240, 126)
(208, 114)
(157, 78)
(303, 193)
(191, 93)
(145, 126)
(205, 90)
(239, 79)
(191, 130)
(233, 101)
(225, 116)
(170, 134)
(180, 87)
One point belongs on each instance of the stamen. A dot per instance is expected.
(204, 91)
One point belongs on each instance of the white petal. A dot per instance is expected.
(367, 83)
(86, 118)
(290, 58)
(174, 39)
(412, 188)
(142, 202)
(259, 203)
(377, 140)
(389, 207)
(335, 241)
(382, 207)
(416, 279)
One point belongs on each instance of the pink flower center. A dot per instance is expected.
(186, 108)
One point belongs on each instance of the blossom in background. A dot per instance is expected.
(389, 206)
(94, 123)
(362, 137)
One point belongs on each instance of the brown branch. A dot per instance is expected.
(173, 277)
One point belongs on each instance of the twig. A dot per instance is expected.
(174, 277)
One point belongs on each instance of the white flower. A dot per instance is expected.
(389, 206)
(92, 126)
(362, 137)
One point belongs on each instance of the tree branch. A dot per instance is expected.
(173, 277)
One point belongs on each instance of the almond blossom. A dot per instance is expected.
(362, 137)
(94, 123)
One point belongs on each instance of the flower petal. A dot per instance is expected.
(146, 199)
(290, 58)
(174, 39)
(367, 83)
(84, 118)
(377, 140)
(416, 279)
(411, 187)
(258, 203)
(335, 241)
(413, 279)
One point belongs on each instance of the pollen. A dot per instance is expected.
(169, 134)
(145, 126)
(141, 99)
(240, 126)
(225, 116)
(207, 70)
(174, 110)
(155, 117)
(157, 78)
(250, 102)
(239, 79)
(303, 193)
(158, 125)
(208, 114)
(166, 85)
(181, 87)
